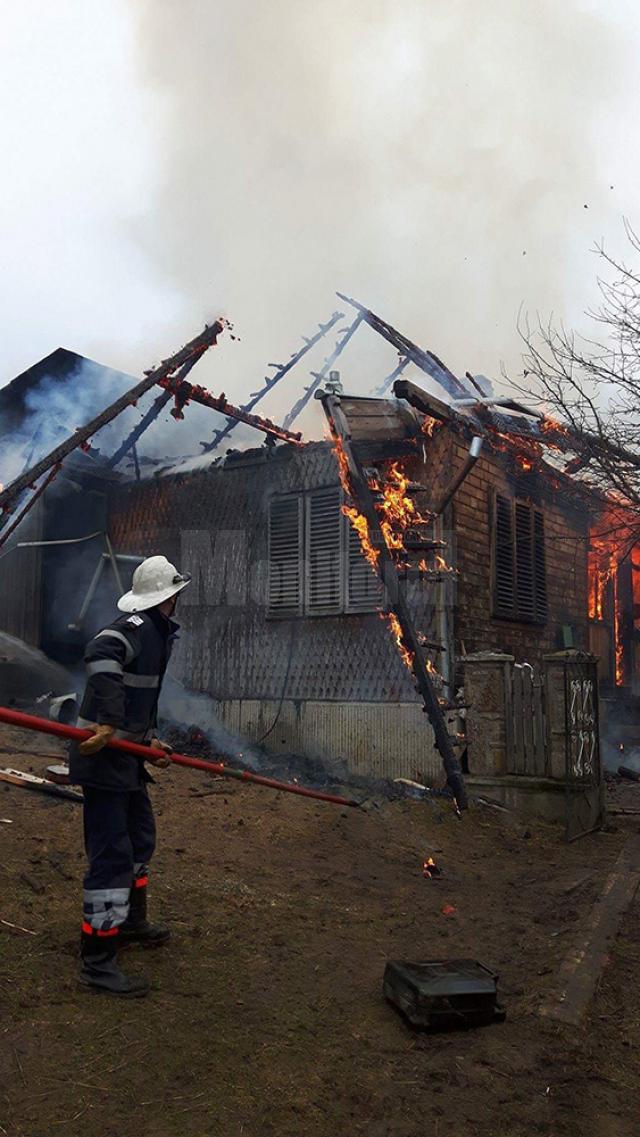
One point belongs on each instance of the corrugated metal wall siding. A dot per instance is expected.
(385, 740)
(21, 581)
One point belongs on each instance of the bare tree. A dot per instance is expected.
(591, 386)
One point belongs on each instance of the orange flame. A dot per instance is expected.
(396, 631)
(602, 567)
(396, 511)
(430, 868)
(617, 633)
(429, 425)
(527, 452)
(551, 426)
(361, 527)
(610, 541)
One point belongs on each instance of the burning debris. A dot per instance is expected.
(381, 512)
(184, 393)
(430, 869)
(399, 520)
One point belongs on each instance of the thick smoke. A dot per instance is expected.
(55, 407)
(184, 708)
(445, 163)
(434, 160)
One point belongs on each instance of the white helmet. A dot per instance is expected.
(155, 580)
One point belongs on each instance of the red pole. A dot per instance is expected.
(60, 730)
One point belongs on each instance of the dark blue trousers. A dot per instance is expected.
(119, 838)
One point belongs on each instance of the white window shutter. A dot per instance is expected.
(324, 583)
(285, 556)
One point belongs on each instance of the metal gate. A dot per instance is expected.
(583, 775)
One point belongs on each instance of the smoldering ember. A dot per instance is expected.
(414, 637)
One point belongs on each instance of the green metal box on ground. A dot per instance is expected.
(443, 994)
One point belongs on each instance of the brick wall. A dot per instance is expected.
(566, 530)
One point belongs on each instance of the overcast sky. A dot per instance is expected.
(169, 160)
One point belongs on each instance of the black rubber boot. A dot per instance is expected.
(136, 928)
(100, 969)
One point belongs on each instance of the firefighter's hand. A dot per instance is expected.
(100, 738)
(158, 744)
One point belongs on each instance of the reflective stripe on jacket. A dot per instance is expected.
(125, 664)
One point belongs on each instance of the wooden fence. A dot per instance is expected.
(527, 747)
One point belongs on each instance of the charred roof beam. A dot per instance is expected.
(270, 381)
(151, 415)
(425, 360)
(185, 392)
(81, 437)
(318, 376)
(391, 378)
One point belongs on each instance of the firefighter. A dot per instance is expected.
(126, 662)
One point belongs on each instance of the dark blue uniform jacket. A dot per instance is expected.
(125, 663)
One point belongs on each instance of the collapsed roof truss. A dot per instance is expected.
(463, 399)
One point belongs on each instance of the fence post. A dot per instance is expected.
(487, 690)
(571, 681)
(555, 667)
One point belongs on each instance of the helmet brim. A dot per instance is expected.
(142, 601)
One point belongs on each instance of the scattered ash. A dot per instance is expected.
(296, 768)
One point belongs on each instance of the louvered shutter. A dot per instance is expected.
(503, 558)
(323, 548)
(363, 585)
(540, 568)
(525, 577)
(520, 571)
(285, 556)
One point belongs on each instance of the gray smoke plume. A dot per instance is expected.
(55, 407)
(432, 160)
(183, 708)
(445, 163)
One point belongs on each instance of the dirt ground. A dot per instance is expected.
(266, 1015)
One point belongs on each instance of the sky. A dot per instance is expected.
(167, 161)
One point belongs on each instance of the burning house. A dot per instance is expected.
(286, 626)
(433, 554)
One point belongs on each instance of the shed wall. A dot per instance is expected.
(21, 581)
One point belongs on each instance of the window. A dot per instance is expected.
(316, 565)
(519, 564)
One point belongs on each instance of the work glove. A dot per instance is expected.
(158, 744)
(101, 737)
